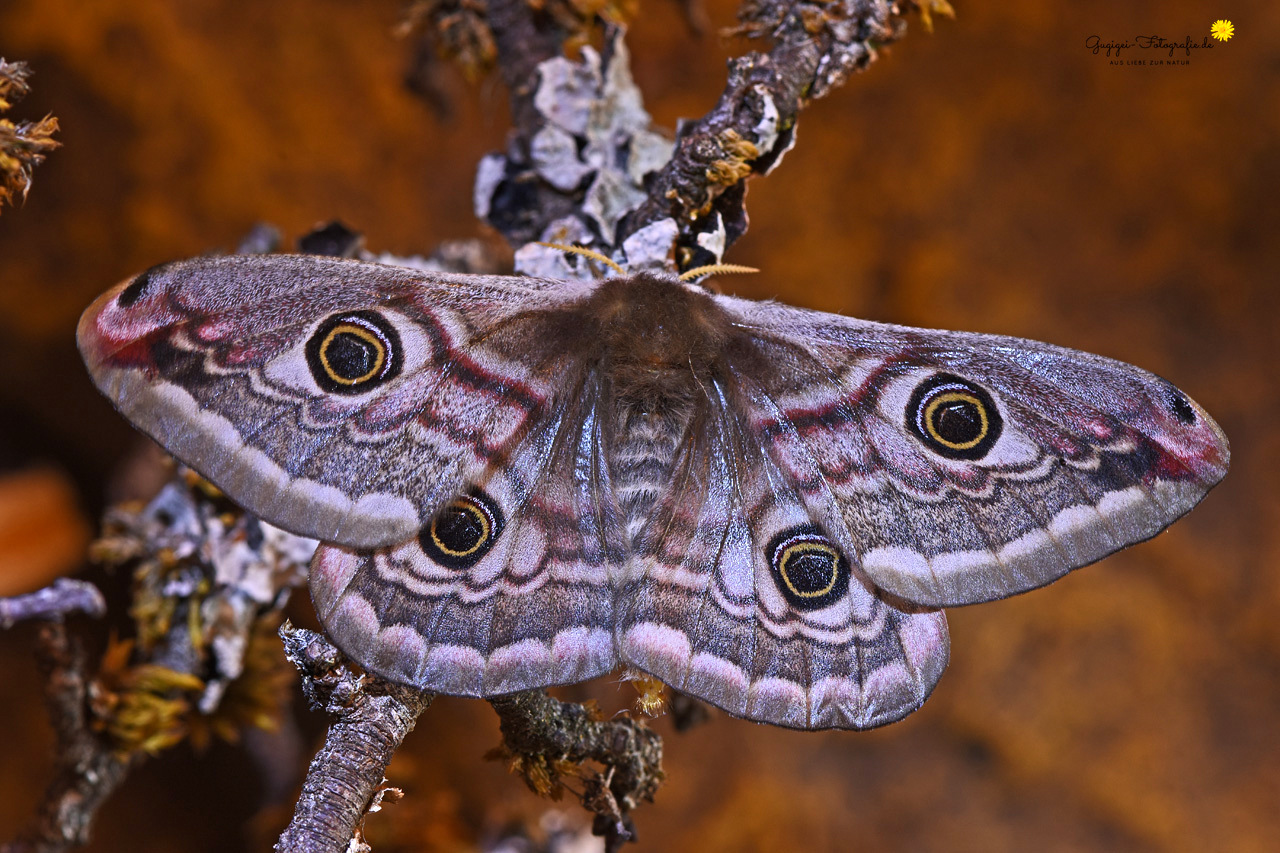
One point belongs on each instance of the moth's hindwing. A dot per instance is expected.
(507, 588)
(738, 596)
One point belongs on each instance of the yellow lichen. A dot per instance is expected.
(142, 707)
(734, 165)
(460, 31)
(652, 700)
(257, 697)
(928, 8)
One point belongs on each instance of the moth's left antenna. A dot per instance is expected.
(589, 253)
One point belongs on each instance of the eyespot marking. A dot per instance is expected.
(463, 532)
(808, 568)
(954, 417)
(354, 352)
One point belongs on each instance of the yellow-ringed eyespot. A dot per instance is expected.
(354, 352)
(808, 568)
(954, 417)
(463, 532)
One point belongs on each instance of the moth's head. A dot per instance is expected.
(692, 278)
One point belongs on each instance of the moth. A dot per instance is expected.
(526, 482)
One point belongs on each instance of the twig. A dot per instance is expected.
(582, 164)
(524, 39)
(547, 737)
(372, 717)
(88, 771)
(816, 47)
(63, 597)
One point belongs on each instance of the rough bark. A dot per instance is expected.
(371, 719)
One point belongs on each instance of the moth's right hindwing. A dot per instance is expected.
(738, 596)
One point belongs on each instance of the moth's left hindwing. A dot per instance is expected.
(341, 400)
(508, 588)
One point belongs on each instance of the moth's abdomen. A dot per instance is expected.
(642, 458)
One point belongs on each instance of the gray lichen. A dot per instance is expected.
(594, 145)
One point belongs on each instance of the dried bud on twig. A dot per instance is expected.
(23, 145)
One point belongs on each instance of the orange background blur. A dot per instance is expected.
(995, 176)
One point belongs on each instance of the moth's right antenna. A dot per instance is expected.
(714, 269)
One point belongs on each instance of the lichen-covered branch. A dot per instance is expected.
(547, 741)
(63, 597)
(576, 164)
(24, 144)
(371, 719)
(207, 581)
(88, 770)
(584, 165)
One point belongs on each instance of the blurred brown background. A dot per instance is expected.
(994, 176)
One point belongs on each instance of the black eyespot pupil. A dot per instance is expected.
(959, 422)
(1181, 408)
(459, 529)
(811, 571)
(350, 356)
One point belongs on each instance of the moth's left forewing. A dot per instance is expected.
(959, 468)
(251, 369)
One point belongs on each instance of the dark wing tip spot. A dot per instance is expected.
(138, 287)
(1180, 407)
